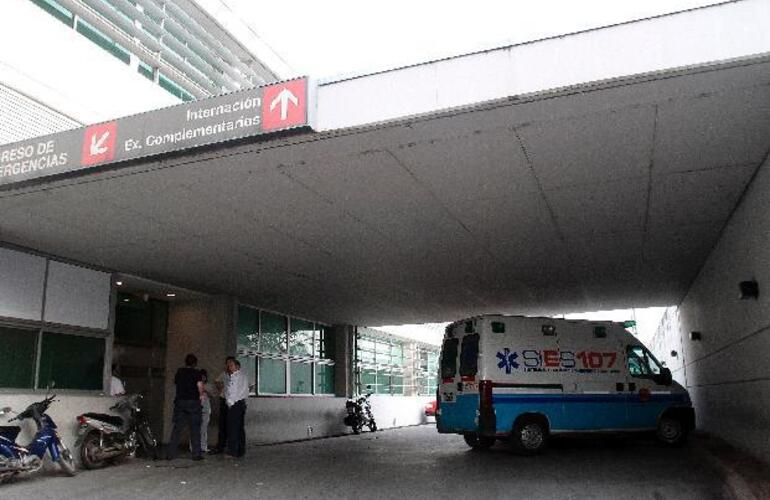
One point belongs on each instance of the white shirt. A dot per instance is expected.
(116, 387)
(236, 388)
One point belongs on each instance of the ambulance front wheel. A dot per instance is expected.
(671, 431)
(529, 435)
(478, 442)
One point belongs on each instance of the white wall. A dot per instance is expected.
(22, 277)
(272, 420)
(718, 33)
(727, 372)
(51, 63)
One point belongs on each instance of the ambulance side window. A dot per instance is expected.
(449, 358)
(641, 363)
(469, 355)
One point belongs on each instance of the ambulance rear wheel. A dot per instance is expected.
(478, 442)
(529, 435)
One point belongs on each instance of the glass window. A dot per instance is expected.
(469, 355)
(272, 376)
(17, 357)
(641, 363)
(301, 378)
(71, 361)
(301, 338)
(247, 329)
(273, 334)
(139, 322)
(324, 379)
(449, 358)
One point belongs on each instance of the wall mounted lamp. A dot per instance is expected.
(695, 336)
(749, 290)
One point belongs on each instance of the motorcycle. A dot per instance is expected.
(360, 414)
(105, 439)
(16, 459)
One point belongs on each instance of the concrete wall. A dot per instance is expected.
(727, 372)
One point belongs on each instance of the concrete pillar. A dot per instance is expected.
(202, 327)
(344, 367)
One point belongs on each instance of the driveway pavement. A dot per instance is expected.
(406, 463)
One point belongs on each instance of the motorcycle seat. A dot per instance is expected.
(109, 419)
(10, 431)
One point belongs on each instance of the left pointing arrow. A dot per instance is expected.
(97, 146)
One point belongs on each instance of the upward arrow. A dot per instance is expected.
(283, 98)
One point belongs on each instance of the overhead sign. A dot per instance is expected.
(252, 112)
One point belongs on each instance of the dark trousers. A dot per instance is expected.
(236, 435)
(222, 440)
(186, 412)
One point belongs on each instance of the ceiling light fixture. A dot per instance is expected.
(170, 295)
(119, 283)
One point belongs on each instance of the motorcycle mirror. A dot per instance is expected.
(6, 410)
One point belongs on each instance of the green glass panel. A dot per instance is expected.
(301, 338)
(397, 384)
(56, 10)
(71, 361)
(273, 337)
(301, 378)
(17, 357)
(103, 41)
(368, 377)
(324, 379)
(272, 376)
(383, 382)
(324, 342)
(145, 70)
(248, 327)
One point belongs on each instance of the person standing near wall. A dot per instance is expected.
(205, 410)
(237, 392)
(221, 383)
(187, 408)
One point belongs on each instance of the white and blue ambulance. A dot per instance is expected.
(523, 379)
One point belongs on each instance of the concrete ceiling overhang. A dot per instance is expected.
(589, 198)
(592, 196)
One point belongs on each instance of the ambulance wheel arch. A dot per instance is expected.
(530, 433)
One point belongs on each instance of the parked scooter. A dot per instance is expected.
(360, 414)
(16, 459)
(105, 439)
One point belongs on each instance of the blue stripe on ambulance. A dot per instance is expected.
(564, 411)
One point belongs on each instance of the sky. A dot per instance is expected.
(329, 38)
(342, 37)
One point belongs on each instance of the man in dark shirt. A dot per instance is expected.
(187, 407)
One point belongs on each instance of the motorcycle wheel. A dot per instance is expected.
(88, 450)
(66, 460)
(147, 443)
(372, 426)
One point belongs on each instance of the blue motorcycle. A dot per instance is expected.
(16, 459)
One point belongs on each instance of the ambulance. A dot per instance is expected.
(524, 379)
